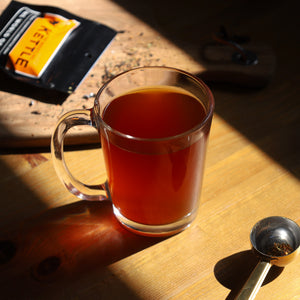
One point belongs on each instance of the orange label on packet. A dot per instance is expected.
(39, 44)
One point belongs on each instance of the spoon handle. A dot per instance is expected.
(254, 282)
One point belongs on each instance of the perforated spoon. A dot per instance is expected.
(276, 241)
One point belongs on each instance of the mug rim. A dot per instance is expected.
(208, 115)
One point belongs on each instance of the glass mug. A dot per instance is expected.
(154, 124)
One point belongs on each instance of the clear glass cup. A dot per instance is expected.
(153, 182)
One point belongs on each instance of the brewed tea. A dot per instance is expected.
(152, 187)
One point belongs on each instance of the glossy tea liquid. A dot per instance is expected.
(154, 182)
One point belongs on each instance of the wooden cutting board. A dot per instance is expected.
(28, 116)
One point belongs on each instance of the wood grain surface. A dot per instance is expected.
(29, 115)
(53, 246)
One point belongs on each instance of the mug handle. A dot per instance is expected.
(76, 187)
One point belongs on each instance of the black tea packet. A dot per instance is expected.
(49, 47)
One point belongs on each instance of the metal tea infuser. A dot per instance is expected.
(276, 241)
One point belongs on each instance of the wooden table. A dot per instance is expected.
(53, 246)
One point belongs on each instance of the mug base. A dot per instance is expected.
(155, 230)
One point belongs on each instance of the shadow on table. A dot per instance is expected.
(233, 271)
(65, 252)
(268, 116)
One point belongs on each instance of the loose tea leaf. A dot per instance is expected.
(280, 249)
